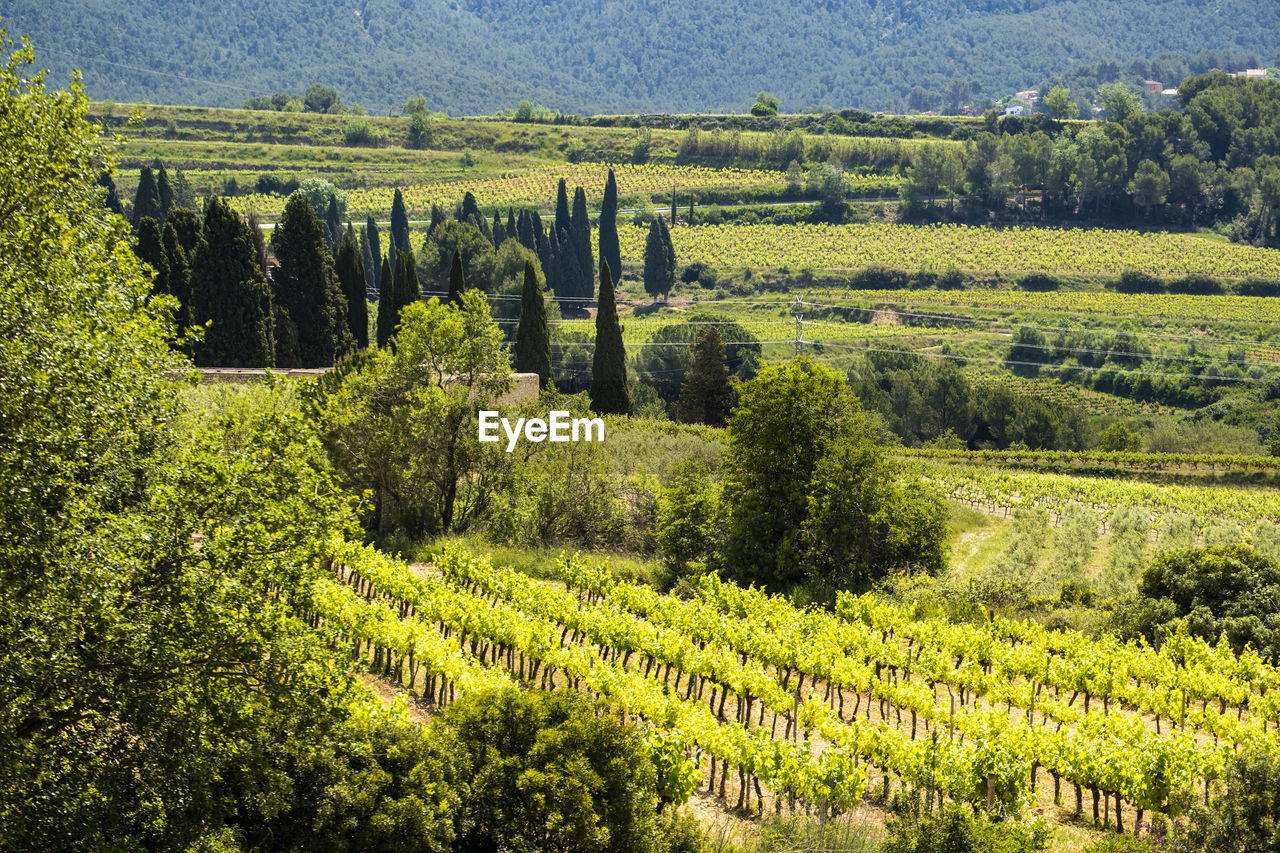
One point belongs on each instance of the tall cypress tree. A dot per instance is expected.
(150, 250)
(164, 190)
(513, 229)
(404, 290)
(386, 303)
(307, 286)
(179, 275)
(333, 225)
(374, 237)
(562, 207)
(549, 256)
(610, 248)
(189, 224)
(706, 396)
(533, 338)
(437, 218)
(581, 224)
(112, 201)
(609, 395)
(230, 292)
(499, 231)
(147, 201)
(399, 226)
(457, 282)
(524, 230)
(539, 232)
(184, 195)
(349, 267)
(657, 274)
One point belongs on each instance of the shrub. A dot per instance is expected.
(360, 131)
(1199, 284)
(1133, 281)
(1039, 282)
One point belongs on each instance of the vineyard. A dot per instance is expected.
(970, 248)
(799, 708)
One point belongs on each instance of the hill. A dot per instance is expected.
(479, 56)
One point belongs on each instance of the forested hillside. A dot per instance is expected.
(479, 56)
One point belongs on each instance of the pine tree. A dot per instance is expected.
(610, 249)
(150, 249)
(581, 224)
(399, 226)
(147, 201)
(112, 201)
(533, 338)
(349, 267)
(562, 207)
(706, 396)
(374, 270)
(230, 293)
(386, 303)
(608, 393)
(179, 275)
(164, 190)
(307, 286)
(457, 282)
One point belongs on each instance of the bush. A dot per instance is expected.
(955, 829)
(360, 131)
(880, 278)
(1258, 287)
(1198, 284)
(1039, 282)
(1133, 281)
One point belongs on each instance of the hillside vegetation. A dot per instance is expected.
(479, 56)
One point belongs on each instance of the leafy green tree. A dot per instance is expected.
(546, 773)
(765, 105)
(1246, 815)
(320, 99)
(1059, 104)
(1231, 590)
(610, 248)
(320, 193)
(1150, 186)
(307, 286)
(349, 268)
(665, 359)
(609, 395)
(405, 423)
(533, 338)
(707, 397)
(1119, 102)
(689, 519)
(230, 293)
(1118, 437)
(146, 203)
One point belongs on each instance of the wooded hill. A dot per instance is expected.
(479, 56)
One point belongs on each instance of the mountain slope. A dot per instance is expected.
(478, 56)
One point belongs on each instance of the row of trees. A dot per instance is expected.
(1216, 162)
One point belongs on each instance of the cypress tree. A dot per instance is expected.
(668, 259)
(550, 262)
(333, 226)
(608, 393)
(581, 224)
(112, 201)
(374, 237)
(150, 250)
(499, 231)
(164, 190)
(690, 222)
(457, 282)
(147, 201)
(512, 227)
(706, 396)
(179, 275)
(230, 292)
(404, 290)
(658, 276)
(386, 303)
(562, 207)
(524, 230)
(307, 286)
(470, 212)
(539, 234)
(533, 338)
(259, 244)
(399, 226)
(568, 275)
(349, 267)
(437, 217)
(188, 223)
(184, 196)
(610, 249)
